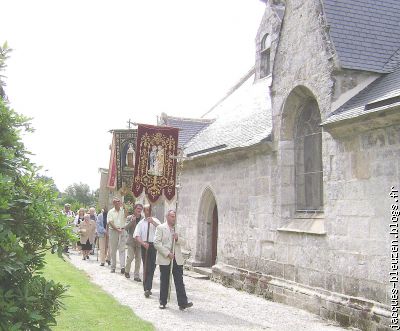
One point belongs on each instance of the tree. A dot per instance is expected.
(4, 51)
(79, 193)
(30, 224)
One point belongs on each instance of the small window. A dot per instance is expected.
(265, 65)
(308, 160)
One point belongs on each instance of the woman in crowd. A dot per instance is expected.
(93, 217)
(87, 231)
(77, 222)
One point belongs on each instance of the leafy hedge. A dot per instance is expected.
(30, 224)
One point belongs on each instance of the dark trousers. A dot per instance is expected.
(150, 266)
(177, 273)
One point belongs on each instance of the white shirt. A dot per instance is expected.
(117, 217)
(141, 230)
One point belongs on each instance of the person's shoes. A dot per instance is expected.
(112, 271)
(127, 275)
(84, 258)
(92, 253)
(189, 304)
(147, 293)
(122, 270)
(101, 264)
(162, 306)
(87, 257)
(137, 279)
(108, 262)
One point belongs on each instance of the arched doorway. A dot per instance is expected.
(207, 233)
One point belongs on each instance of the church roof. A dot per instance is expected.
(242, 118)
(381, 94)
(365, 33)
(189, 127)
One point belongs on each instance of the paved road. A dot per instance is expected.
(215, 306)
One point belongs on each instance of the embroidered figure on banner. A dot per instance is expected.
(130, 157)
(156, 161)
(155, 170)
(152, 161)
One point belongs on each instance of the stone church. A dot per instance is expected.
(286, 189)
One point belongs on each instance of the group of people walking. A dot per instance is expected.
(145, 239)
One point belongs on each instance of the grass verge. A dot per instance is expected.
(87, 306)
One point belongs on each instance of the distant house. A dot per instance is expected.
(286, 192)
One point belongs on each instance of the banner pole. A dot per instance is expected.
(180, 159)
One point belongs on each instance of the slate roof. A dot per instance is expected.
(365, 33)
(242, 118)
(188, 127)
(382, 93)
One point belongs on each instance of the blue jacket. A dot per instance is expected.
(101, 231)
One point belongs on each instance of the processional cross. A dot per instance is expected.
(130, 123)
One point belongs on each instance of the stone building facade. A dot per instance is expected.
(286, 192)
(105, 194)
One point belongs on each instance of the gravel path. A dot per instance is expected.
(215, 307)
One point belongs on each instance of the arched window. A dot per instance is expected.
(265, 66)
(308, 159)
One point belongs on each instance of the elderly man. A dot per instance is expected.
(144, 234)
(117, 234)
(165, 239)
(134, 251)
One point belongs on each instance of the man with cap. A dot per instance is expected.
(134, 251)
(144, 234)
(168, 246)
(117, 234)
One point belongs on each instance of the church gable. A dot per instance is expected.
(304, 57)
(267, 38)
(381, 95)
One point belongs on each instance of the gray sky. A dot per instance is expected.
(83, 67)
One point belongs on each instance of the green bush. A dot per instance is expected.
(30, 224)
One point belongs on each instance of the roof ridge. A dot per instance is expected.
(201, 120)
(241, 81)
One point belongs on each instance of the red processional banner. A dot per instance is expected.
(112, 168)
(155, 170)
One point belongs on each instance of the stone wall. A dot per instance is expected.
(240, 183)
(341, 275)
(344, 274)
(105, 196)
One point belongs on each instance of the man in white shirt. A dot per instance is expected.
(144, 234)
(117, 234)
(134, 248)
